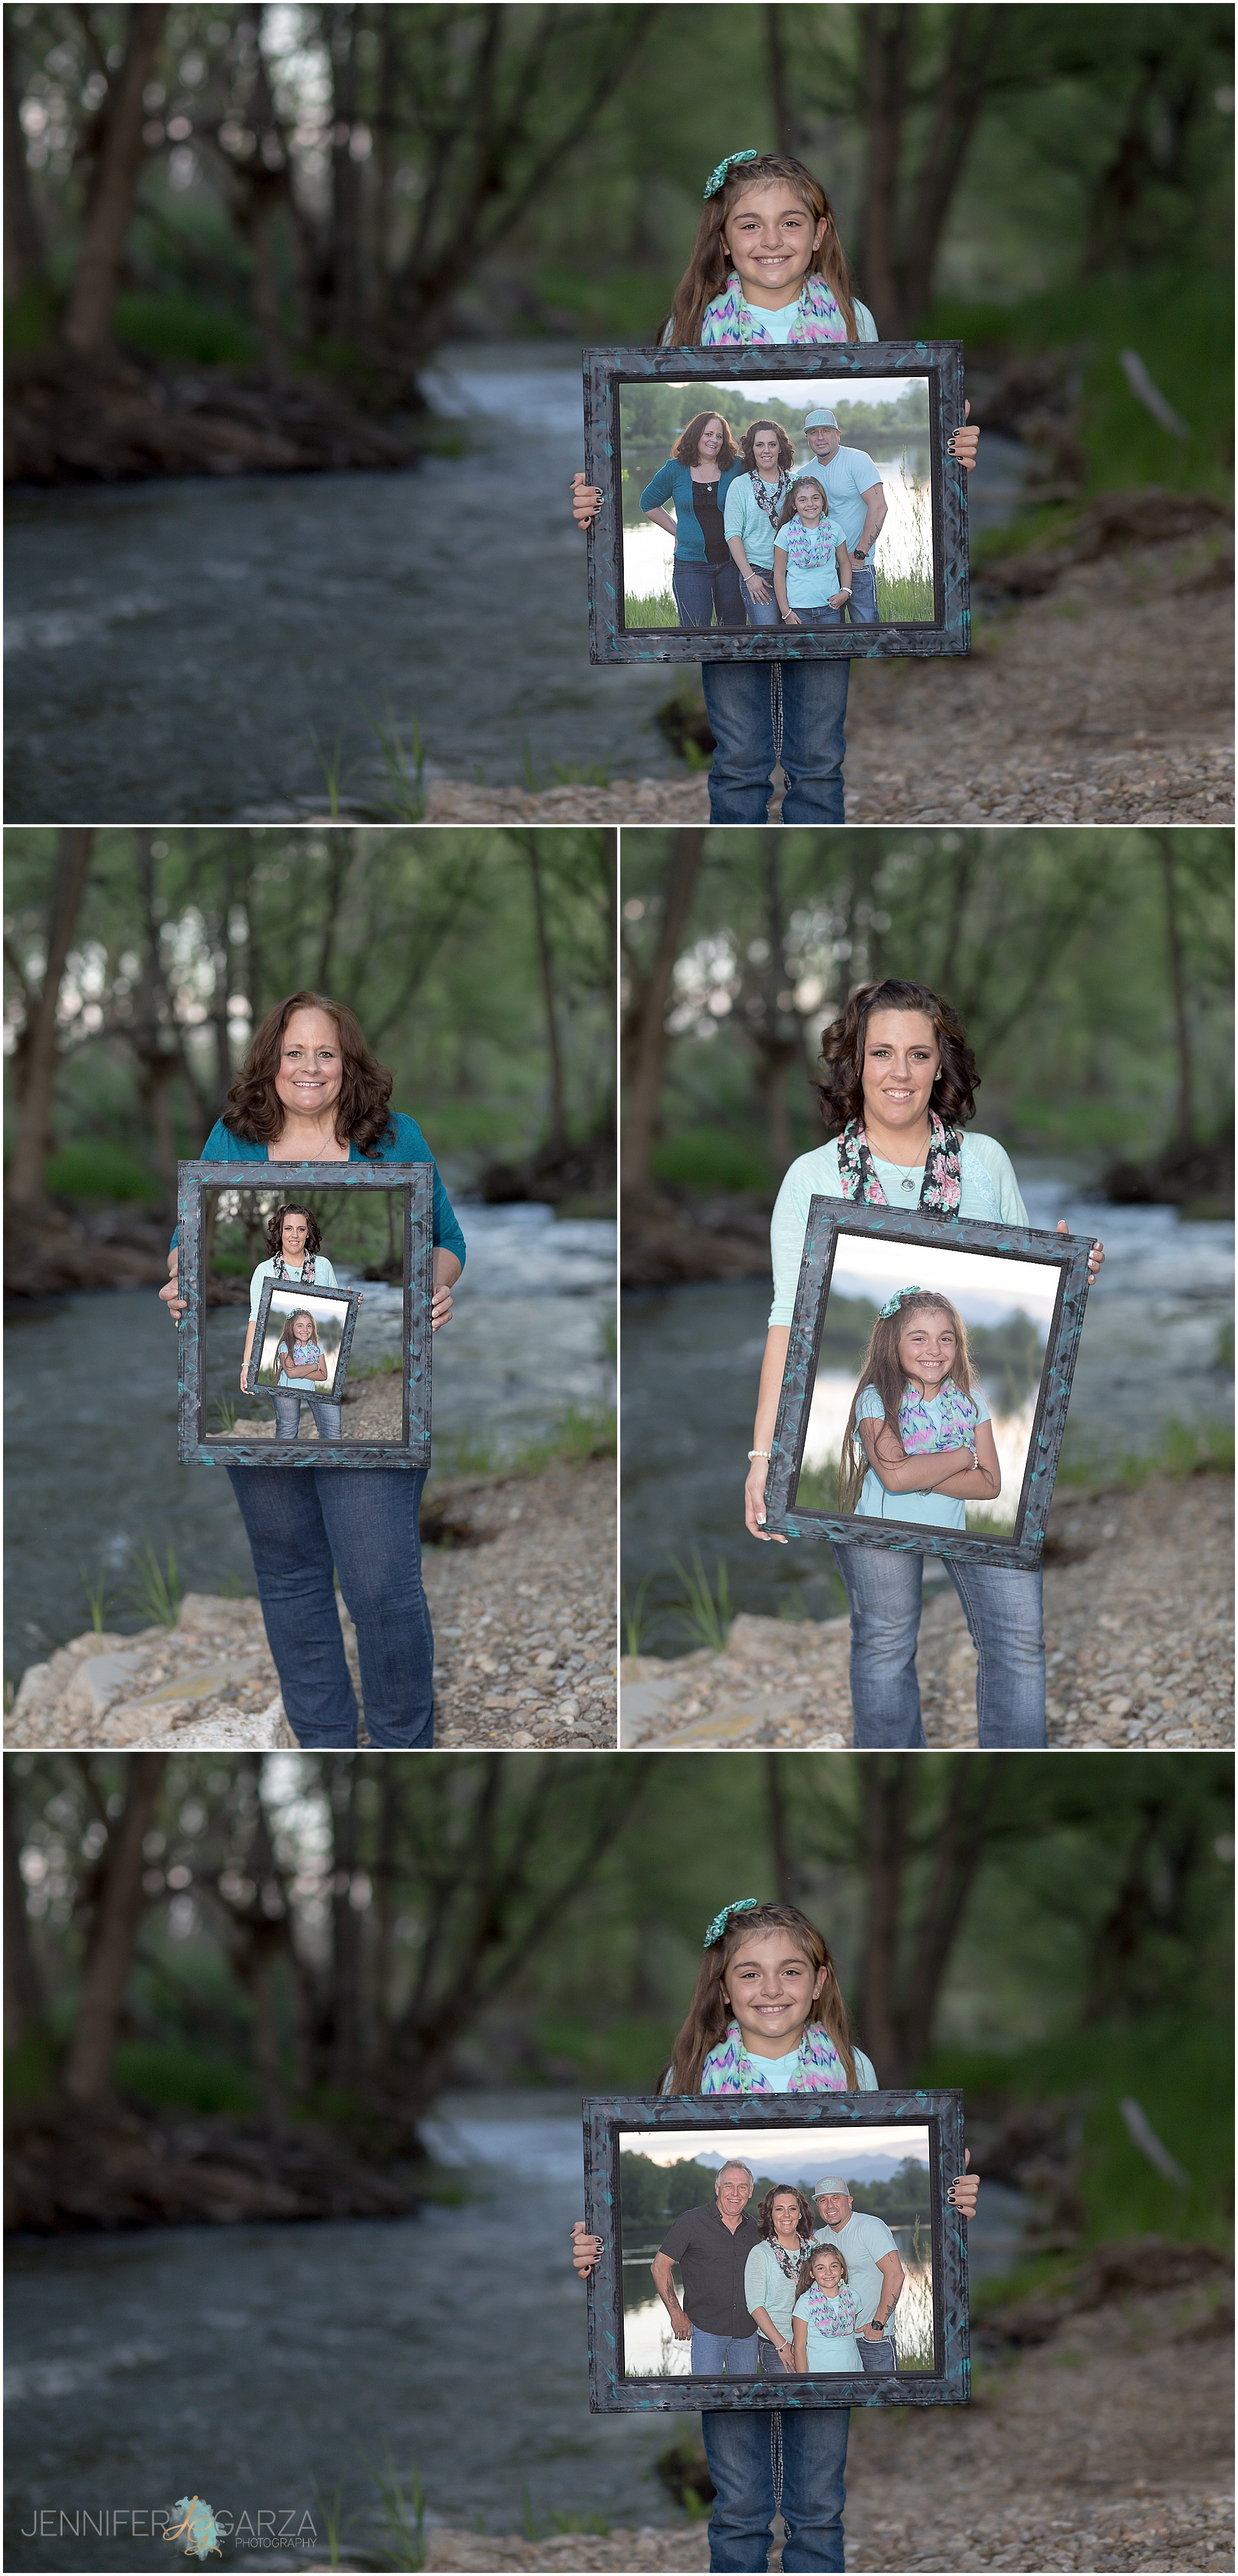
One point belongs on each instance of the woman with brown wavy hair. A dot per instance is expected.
(310, 1090)
(768, 2016)
(697, 477)
(899, 1083)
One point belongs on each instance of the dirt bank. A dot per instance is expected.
(1053, 2465)
(1138, 1591)
(1060, 715)
(67, 2169)
(68, 424)
(519, 1573)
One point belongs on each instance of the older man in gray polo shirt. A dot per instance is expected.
(875, 2275)
(711, 2247)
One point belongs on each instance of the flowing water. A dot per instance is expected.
(191, 649)
(90, 1407)
(258, 2366)
(1154, 1350)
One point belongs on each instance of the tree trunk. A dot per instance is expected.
(786, 128)
(87, 324)
(345, 179)
(23, 248)
(646, 1038)
(779, 1828)
(86, 2075)
(1184, 1126)
(887, 37)
(41, 1054)
(545, 960)
(958, 106)
(886, 1790)
(23, 2000)
(345, 1929)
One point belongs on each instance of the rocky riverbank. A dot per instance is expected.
(68, 2169)
(68, 424)
(1059, 715)
(1107, 2446)
(519, 1573)
(1138, 1591)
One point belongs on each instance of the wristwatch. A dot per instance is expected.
(858, 555)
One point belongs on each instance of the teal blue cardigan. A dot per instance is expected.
(402, 1143)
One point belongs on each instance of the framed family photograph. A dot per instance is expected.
(782, 503)
(298, 1289)
(926, 1383)
(766, 2251)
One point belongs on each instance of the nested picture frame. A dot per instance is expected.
(1021, 1295)
(277, 1303)
(819, 373)
(834, 2126)
(412, 1185)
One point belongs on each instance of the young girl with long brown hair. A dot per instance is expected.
(768, 2016)
(768, 267)
(919, 1444)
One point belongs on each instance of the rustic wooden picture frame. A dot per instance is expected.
(606, 2117)
(827, 1219)
(348, 1298)
(414, 1182)
(832, 363)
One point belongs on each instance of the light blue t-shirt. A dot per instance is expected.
(862, 2242)
(780, 323)
(744, 517)
(989, 1193)
(830, 2352)
(778, 2071)
(812, 573)
(849, 474)
(324, 1277)
(944, 1511)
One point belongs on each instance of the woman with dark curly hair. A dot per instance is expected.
(754, 507)
(788, 2223)
(697, 478)
(311, 1091)
(900, 1081)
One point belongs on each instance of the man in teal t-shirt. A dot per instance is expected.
(856, 495)
(874, 2273)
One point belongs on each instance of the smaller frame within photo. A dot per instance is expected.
(783, 503)
(301, 1284)
(776, 2251)
(926, 1383)
(302, 1341)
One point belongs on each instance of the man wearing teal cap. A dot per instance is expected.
(857, 502)
(875, 2275)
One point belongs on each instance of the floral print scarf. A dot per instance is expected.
(942, 1187)
(306, 1279)
(955, 1430)
(728, 319)
(836, 2316)
(819, 2068)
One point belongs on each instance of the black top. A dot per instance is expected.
(710, 522)
(712, 2261)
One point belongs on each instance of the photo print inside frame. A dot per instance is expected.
(919, 1338)
(886, 2170)
(881, 438)
(251, 1336)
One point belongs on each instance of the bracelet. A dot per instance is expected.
(757, 1453)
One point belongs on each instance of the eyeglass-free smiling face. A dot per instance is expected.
(769, 239)
(771, 1988)
(926, 1348)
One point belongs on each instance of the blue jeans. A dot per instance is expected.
(878, 2356)
(701, 589)
(861, 608)
(304, 1524)
(288, 1416)
(814, 2456)
(758, 614)
(734, 2354)
(740, 700)
(1002, 1606)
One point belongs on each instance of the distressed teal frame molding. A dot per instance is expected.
(827, 1219)
(611, 2392)
(826, 362)
(414, 1182)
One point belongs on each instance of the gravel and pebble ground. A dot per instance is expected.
(1051, 2467)
(1138, 1592)
(521, 1594)
(1059, 715)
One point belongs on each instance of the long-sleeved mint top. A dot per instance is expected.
(402, 1143)
(989, 1193)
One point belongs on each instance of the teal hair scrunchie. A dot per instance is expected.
(713, 183)
(893, 1303)
(742, 1905)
